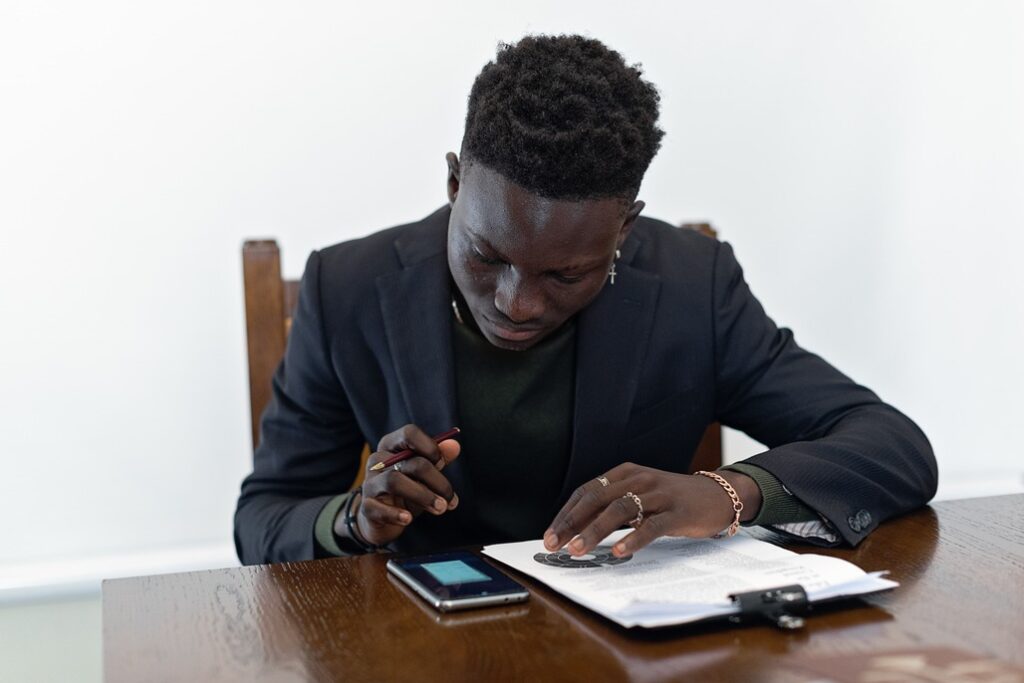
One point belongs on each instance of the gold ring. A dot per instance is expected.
(604, 481)
(639, 509)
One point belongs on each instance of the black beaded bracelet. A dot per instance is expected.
(352, 528)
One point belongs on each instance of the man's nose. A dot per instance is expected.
(517, 297)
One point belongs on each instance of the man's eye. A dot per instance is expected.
(485, 259)
(568, 279)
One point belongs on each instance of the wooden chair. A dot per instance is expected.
(270, 301)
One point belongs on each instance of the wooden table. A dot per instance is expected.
(960, 563)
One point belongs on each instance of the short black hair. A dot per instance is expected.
(564, 117)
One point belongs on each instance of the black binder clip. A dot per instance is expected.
(782, 606)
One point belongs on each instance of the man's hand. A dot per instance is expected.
(396, 495)
(673, 505)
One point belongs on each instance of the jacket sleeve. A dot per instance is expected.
(832, 443)
(309, 443)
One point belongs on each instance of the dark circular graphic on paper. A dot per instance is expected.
(601, 556)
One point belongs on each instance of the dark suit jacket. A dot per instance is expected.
(677, 342)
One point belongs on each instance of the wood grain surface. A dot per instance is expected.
(960, 563)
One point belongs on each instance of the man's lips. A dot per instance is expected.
(513, 334)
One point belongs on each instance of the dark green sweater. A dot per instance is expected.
(516, 408)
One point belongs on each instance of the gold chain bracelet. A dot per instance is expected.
(737, 504)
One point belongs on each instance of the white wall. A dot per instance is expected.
(866, 160)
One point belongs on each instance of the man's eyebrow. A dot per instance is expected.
(575, 268)
(482, 240)
(579, 266)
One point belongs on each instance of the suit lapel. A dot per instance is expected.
(612, 340)
(416, 308)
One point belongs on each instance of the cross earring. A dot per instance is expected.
(611, 272)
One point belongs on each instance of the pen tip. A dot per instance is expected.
(378, 466)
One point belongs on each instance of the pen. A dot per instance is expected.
(408, 452)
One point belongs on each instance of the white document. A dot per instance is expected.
(681, 580)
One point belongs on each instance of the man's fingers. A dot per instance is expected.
(617, 513)
(650, 529)
(412, 491)
(415, 439)
(585, 503)
(589, 499)
(564, 525)
(449, 449)
(423, 471)
(380, 513)
(411, 437)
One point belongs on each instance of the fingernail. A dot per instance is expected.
(550, 540)
(577, 545)
(620, 548)
(454, 502)
(440, 505)
(404, 517)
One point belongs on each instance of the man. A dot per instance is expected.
(582, 349)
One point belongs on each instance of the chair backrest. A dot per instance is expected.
(270, 301)
(269, 304)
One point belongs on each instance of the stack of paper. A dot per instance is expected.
(681, 580)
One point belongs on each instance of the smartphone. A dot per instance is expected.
(456, 581)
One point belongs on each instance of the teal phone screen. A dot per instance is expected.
(454, 571)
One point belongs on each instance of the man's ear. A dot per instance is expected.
(453, 177)
(632, 213)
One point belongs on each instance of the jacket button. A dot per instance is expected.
(864, 517)
(854, 523)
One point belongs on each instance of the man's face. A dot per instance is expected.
(524, 264)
